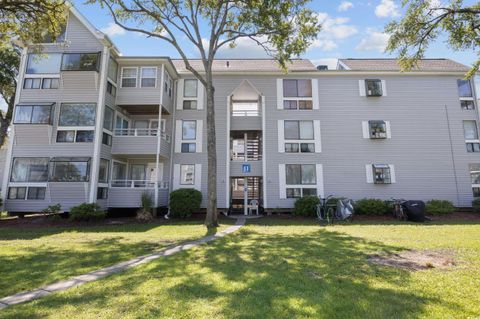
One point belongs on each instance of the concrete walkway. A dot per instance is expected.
(101, 273)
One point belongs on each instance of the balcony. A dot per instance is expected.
(140, 142)
(128, 193)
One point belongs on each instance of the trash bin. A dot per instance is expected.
(415, 210)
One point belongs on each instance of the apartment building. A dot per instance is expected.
(91, 125)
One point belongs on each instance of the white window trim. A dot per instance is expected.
(282, 181)
(366, 130)
(180, 98)
(27, 186)
(317, 137)
(75, 129)
(314, 98)
(197, 177)
(369, 174)
(129, 77)
(141, 77)
(179, 136)
(363, 90)
(42, 75)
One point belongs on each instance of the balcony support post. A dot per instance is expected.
(159, 141)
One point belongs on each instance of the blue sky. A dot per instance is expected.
(351, 29)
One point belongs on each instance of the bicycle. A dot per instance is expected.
(326, 210)
(398, 211)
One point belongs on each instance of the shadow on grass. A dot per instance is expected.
(252, 274)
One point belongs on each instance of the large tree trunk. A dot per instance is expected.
(5, 120)
(211, 217)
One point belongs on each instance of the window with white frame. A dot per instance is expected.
(76, 123)
(41, 83)
(33, 114)
(377, 129)
(148, 77)
(69, 169)
(112, 70)
(27, 192)
(168, 85)
(470, 130)
(300, 180)
(108, 118)
(103, 171)
(29, 170)
(465, 93)
(43, 63)
(297, 94)
(381, 174)
(475, 179)
(187, 174)
(190, 94)
(299, 136)
(129, 77)
(373, 87)
(189, 133)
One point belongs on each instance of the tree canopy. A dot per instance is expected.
(426, 21)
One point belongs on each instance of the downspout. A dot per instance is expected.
(264, 156)
(227, 164)
(99, 125)
(159, 140)
(11, 138)
(172, 144)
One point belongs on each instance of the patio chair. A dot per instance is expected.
(253, 207)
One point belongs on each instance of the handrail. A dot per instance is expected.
(131, 183)
(140, 132)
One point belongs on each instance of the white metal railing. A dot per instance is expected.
(245, 113)
(131, 183)
(140, 132)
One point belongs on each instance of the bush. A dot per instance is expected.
(184, 202)
(145, 212)
(476, 205)
(371, 206)
(52, 210)
(306, 206)
(87, 212)
(439, 207)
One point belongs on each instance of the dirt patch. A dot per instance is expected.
(416, 259)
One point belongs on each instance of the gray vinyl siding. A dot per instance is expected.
(81, 39)
(138, 95)
(131, 198)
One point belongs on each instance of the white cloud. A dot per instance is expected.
(387, 9)
(374, 41)
(245, 48)
(333, 30)
(113, 30)
(345, 5)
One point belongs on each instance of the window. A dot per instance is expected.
(102, 192)
(168, 84)
(470, 130)
(78, 136)
(111, 88)
(381, 174)
(112, 70)
(44, 63)
(70, 169)
(473, 147)
(475, 173)
(30, 83)
(299, 175)
(36, 192)
(77, 115)
(187, 174)
(119, 172)
(297, 94)
(189, 147)
(29, 169)
(148, 77)
(17, 192)
(108, 118)
(107, 139)
(50, 83)
(464, 88)
(377, 129)
(80, 61)
(467, 105)
(373, 87)
(103, 171)
(121, 126)
(189, 129)
(33, 114)
(298, 130)
(189, 105)
(297, 88)
(476, 191)
(129, 77)
(190, 88)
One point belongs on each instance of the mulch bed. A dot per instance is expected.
(417, 259)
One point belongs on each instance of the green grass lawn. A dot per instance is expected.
(32, 257)
(287, 269)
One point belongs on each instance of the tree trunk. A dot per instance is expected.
(211, 217)
(5, 120)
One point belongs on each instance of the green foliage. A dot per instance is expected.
(306, 206)
(87, 212)
(184, 202)
(476, 205)
(371, 206)
(423, 23)
(52, 209)
(439, 207)
(145, 212)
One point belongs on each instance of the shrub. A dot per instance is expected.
(184, 202)
(371, 206)
(306, 206)
(145, 212)
(439, 207)
(52, 210)
(476, 205)
(87, 212)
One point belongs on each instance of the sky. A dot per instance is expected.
(351, 29)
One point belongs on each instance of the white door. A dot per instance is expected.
(152, 172)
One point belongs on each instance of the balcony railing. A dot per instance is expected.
(130, 183)
(141, 132)
(245, 113)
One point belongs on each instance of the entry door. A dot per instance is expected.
(152, 172)
(243, 191)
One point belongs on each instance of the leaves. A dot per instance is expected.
(425, 21)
